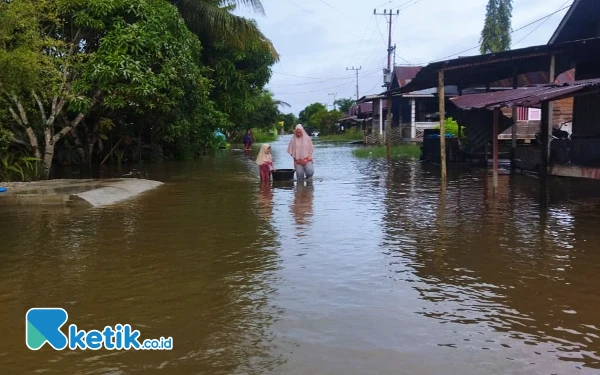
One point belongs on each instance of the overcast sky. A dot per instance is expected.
(319, 39)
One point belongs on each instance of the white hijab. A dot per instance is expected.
(263, 157)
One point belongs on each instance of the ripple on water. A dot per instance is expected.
(367, 268)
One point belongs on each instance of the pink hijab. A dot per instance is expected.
(300, 148)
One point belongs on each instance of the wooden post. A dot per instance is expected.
(459, 126)
(495, 148)
(545, 151)
(550, 108)
(380, 118)
(413, 123)
(442, 110)
(546, 125)
(388, 130)
(515, 115)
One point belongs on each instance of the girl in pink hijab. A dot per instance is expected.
(301, 149)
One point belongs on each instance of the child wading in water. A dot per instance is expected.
(265, 162)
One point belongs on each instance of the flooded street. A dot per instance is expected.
(366, 270)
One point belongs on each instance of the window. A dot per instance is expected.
(535, 114)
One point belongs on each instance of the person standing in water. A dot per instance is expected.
(248, 141)
(265, 162)
(301, 149)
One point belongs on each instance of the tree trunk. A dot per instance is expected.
(48, 153)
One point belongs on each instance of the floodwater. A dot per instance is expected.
(366, 270)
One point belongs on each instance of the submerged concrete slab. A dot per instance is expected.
(576, 171)
(91, 193)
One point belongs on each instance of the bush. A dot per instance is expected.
(451, 127)
(263, 136)
(18, 168)
(397, 152)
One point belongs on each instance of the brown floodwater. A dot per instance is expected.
(366, 270)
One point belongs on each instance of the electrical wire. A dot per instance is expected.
(538, 26)
(348, 78)
(512, 32)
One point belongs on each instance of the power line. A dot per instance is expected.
(380, 33)
(538, 26)
(512, 32)
(323, 80)
(363, 37)
(356, 69)
(330, 88)
(334, 94)
(404, 5)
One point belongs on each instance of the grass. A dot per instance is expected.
(261, 136)
(346, 137)
(398, 152)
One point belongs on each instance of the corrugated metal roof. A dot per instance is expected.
(482, 69)
(536, 78)
(531, 96)
(405, 74)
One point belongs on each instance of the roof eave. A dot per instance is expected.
(564, 21)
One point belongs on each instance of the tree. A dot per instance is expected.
(289, 121)
(266, 113)
(495, 36)
(344, 104)
(213, 19)
(306, 113)
(325, 121)
(66, 58)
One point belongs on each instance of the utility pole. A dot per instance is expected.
(356, 69)
(334, 96)
(388, 128)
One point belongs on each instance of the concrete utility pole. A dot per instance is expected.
(356, 69)
(388, 128)
(334, 96)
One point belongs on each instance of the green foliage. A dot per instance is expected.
(13, 168)
(495, 36)
(325, 121)
(164, 72)
(451, 126)
(5, 136)
(344, 104)
(308, 112)
(263, 136)
(353, 134)
(289, 121)
(265, 114)
(379, 152)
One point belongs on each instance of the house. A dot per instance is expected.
(560, 100)
(412, 112)
(359, 115)
(581, 22)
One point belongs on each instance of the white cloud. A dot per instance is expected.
(321, 38)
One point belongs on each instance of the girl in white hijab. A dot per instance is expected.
(301, 149)
(265, 162)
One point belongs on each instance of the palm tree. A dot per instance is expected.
(213, 19)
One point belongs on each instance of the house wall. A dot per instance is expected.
(562, 111)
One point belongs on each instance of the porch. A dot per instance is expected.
(406, 132)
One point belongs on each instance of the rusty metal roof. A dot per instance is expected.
(483, 69)
(531, 96)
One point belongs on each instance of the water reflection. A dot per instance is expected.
(302, 206)
(368, 269)
(498, 264)
(265, 200)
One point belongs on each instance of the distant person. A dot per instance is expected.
(301, 149)
(265, 162)
(248, 141)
